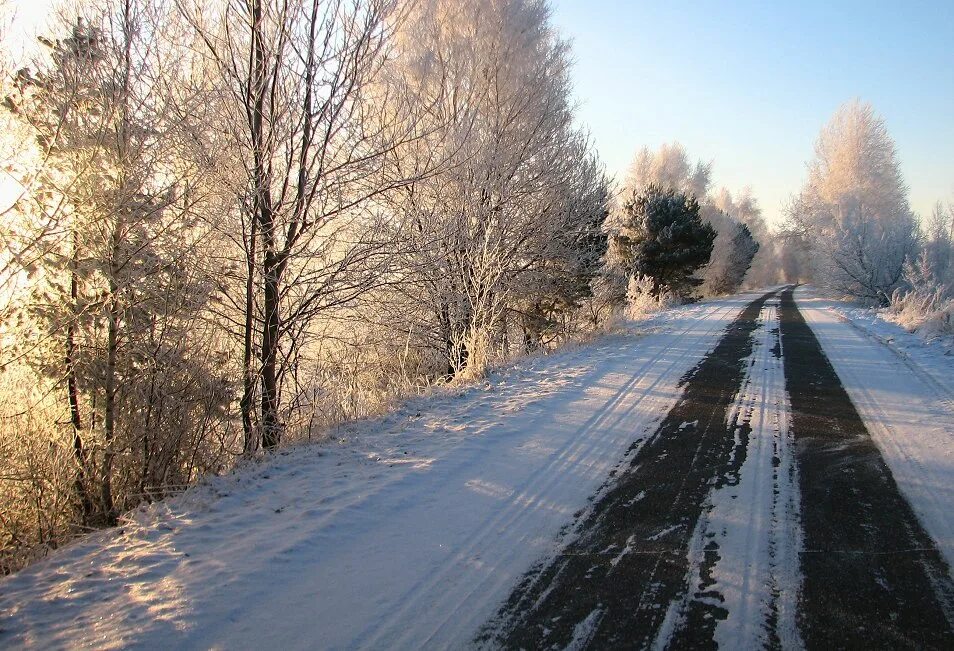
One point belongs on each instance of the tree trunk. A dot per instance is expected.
(248, 388)
(109, 406)
(271, 428)
(256, 106)
(72, 390)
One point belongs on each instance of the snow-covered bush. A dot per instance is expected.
(926, 307)
(640, 300)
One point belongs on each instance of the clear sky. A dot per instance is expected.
(748, 85)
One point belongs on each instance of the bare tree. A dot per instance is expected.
(316, 130)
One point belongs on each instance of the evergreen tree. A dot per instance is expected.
(663, 237)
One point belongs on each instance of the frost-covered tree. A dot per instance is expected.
(938, 246)
(668, 167)
(743, 208)
(926, 301)
(567, 266)
(853, 211)
(117, 296)
(729, 276)
(315, 128)
(509, 233)
(663, 237)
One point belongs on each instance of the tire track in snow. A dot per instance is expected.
(629, 559)
(454, 595)
(872, 575)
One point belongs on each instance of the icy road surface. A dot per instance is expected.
(683, 485)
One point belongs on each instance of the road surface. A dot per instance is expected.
(752, 473)
(815, 546)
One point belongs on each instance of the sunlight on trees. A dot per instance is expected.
(231, 226)
(853, 211)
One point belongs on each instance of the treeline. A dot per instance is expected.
(676, 238)
(243, 222)
(236, 224)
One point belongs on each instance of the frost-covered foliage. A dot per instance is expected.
(727, 278)
(926, 302)
(853, 211)
(643, 302)
(238, 224)
(669, 167)
(663, 237)
(769, 265)
(937, 247)
(505, 239)
(118, 368)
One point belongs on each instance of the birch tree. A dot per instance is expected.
(853, 210)
(316, 136)
(522, 190)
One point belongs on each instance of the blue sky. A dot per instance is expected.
(748, 85)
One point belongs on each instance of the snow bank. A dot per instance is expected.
(924, 351)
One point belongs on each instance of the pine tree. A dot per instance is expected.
(663, 237)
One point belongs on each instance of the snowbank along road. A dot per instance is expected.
(754, 473)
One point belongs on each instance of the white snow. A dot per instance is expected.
(932, 358)
(406, 531)
(583, 631)
(903, 391)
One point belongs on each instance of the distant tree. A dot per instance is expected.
(853, 211)
(663, 237)
(937, 247)
(741, 252)
(743, 208)
(668, 167)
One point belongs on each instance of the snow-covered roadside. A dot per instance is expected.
(408, 532)
(904, 401)
(933, 358)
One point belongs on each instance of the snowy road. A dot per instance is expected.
(714, 481)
